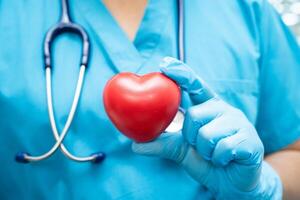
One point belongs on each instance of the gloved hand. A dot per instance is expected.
(218, 146)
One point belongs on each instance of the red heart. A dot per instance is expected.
(141, 107)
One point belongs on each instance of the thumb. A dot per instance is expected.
(187, 79)
(168, 145)
(172, 146)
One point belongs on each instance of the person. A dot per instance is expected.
(240, 90)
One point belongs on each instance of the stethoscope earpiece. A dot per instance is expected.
(21, 157)
(98, 157)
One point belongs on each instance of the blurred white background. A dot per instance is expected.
(290, 11)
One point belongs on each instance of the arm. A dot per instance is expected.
(287, 165)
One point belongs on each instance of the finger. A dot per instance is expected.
(210, 134)
(238, 148)
(198, 116)
(186, 78)
(196, 166)
(168, 145)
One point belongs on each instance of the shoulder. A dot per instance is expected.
(22, 9)
(247, 14)
(250, 9)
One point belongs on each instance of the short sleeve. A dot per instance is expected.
(278, 121)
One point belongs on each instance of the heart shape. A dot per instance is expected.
(141, 107)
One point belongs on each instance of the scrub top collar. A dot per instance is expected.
(124, 54)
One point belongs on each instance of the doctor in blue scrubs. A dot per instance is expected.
(240, 89)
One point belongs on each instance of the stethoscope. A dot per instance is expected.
(66, 25)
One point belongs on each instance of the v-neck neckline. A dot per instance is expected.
(124, 54)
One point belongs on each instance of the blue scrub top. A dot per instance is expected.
(241, 48)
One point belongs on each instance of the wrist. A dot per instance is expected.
(269, 187)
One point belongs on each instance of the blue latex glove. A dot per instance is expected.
(218, 146)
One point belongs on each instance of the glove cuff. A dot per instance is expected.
(268, 188)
